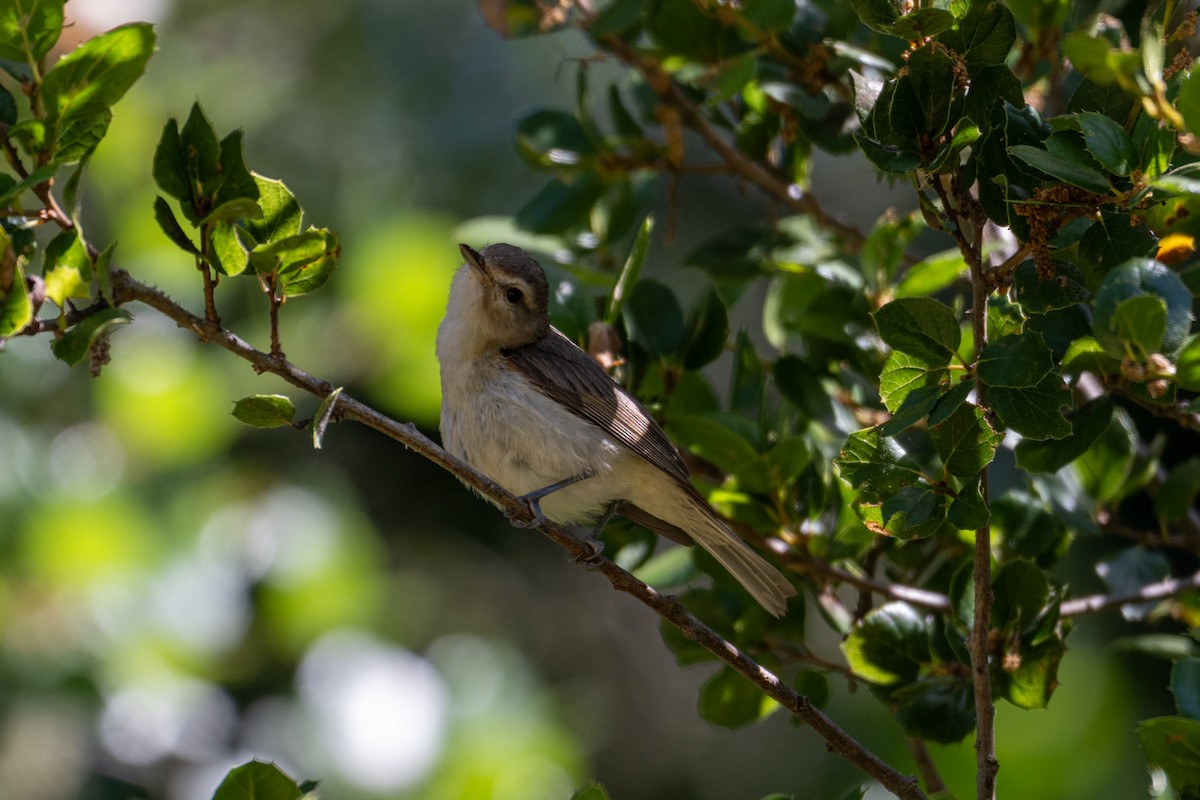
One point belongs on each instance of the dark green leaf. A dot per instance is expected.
(965, 442)
(948, 403)
(1110, 241)
(680, 27)
(1016, 361)
(889, 645)
(968, 511)
(553, 139)
(8, 107)
(1141, 277)
(623, 121)
(14, 190)
(257, 780)
(655, 320)
(921, 327)
(593, 791)
(813, 685)
(76, 343)
(876, 465)
(1039, 295)
(922, 23)
(265, 410)
(561, 204)
(165, 218)
(236, 181)
(1088, 421)
(1034, 412)
(1075, 173)
(983, 37)
(170, 165)
(282, 216)
(202, 156)
(1108, 143)
(878, 15)
(939, 708)
(707, 332)
(1185, 685)
(991, 88)
(1171, 743)
(801, 384)
(1021, 592)
(931, 71)
(79, 136)
(95, 75)
(916, 406)
(233, 210)
(29, 28)
(914, 512)
(728, 699)
(618, 17)
(1177, 494)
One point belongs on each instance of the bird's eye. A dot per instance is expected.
(514, 295)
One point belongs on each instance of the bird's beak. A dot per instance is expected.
(474, 258)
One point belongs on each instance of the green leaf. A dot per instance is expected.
(237, 182)
(983, 37)
(921, 327)
(8, 107)
(1177, 494)
(202, 155)
(931, 274)
(904, 374)
(1141, 323)
(1026, 527)
(916, 406)
(561, 204)
(1110, 241)
(1108, 142)
(39, 175)
(282, 216)
(931, 71)
(728, 699)
(1088, 422)
(1021, 592)
(1017, 361)
(630, 271)
(682, 28)
(1172, 744)
(1141, 277)
(165, 218)
(308, 258)
(1129, 571)
(939, 708)
(553, 139)
(76, 343)
(1185, 685)
(1086, 355)
(618, 17)
(29, 28)
(914, 512)
(876, 465)
(968, 511)
(233, 210)
(1034, 412)
(889, 646)
(655, 320)
(801, 385)
(667, 569)
(170, 165)
(707, 331)
(1056, 166)
(265, 410)
(67, 268)
(226, 252)
(592, 791)
(965, 442)
(1187, 102)
(1038, 295)
(712, 441)
(773, 16)
(1031, 682)
(16, 311)
(95, 75)
(1187, 365)
(79, 136)
(257, 780)
(922, 23)
(878, 15)
(323, 416)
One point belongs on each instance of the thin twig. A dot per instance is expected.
(127, 289)
(1153, 591)
(925, 765)
(922, 598)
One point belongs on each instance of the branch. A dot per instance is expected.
(127, 289)
(1153, 591)
(912, 595)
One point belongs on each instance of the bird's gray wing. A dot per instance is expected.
(566, 374)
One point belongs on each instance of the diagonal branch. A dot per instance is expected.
(1150, 592)
(127, 289)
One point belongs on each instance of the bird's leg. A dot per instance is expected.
(533, 499)
(593, 540)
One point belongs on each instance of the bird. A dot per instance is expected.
(524, 405)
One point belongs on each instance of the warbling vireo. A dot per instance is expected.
(525, 406)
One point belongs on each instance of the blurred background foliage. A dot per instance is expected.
(179, 592)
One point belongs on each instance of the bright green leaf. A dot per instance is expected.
(95, 75)
(889, 645)
(874, 464)
(29, 28)
(257, 780)
(965, 442)
(76, 343)
(1185, 685)
(265, 410)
